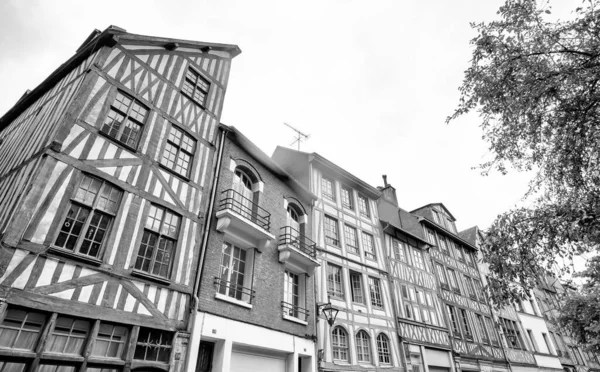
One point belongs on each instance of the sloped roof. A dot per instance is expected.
(469, 234)
(366, 188)
(435, 204)
(96, 40)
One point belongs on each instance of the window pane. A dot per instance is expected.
(21, 329)
(153, 345)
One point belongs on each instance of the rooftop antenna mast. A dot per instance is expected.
(301, 136)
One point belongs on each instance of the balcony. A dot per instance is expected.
(235, 293)
(294, 313)
(297, 251)
(244, 221)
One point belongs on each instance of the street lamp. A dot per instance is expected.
(329, 311)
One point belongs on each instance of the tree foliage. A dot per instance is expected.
(536, 85)
(580, 313)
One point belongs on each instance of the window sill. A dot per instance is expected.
(162, 166)
(295, 320)
(106, 360)
(70, 254)
(60, 356)
(114, 140)
(222, 297)
(374, 259)
(20, 353)
(154, 278)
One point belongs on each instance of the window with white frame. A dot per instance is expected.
(332, 236)
(453, 280)
(418, 260)
(481, 327)
(68, 336)
(441, 275)
(363, 206)
(110, 341)
(327, 189)
(430, 236)
(399, 250)
(419, 305)
(375, 292)
(90, 216)
(369, 246)
(159, 241)
(125, 120)
(294, 295)
(347, 198)
(179, 151)
(195, 86)
(443, 243)
(512, 334)
(335, 285)
(351, 239)
(383, 349)
(356, 287)
(235, 276)
(470, 287)
(339, 343)
(363, 347)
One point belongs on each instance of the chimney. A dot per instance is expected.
(388, 191)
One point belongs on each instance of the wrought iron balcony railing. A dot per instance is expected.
(238, 203)
(292, 237)
(233, 290)
(294, 311)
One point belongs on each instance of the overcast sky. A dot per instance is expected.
(371, 81)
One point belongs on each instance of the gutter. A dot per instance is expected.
(203, 245)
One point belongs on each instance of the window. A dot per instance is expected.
(235, 275)
(368, 245)
(511, 332)
(153, 345)
(533, 308)
(418, 260)
(419, 305)
(453, 280)
(436, 216)
(453, 321)
(334, 281)
(363, 206)
(443, 243)
(327, 189)
(8, 366)
(195, 87)
(68, 336)
(179, 151)
(56, 367)
(481, 327)
(347, 200)
(293, 295)
(470, 288)
(339, 341)
(383, 349)
(548, 345)
(21, 329)
(356, 287)
(351, 239)
(430, 235)
(479, 290)
(158, 242)
(491, 330)
(458, 252)
(399, 250)
(363, 349)
(441, 274)
(465, 324)
(92, 211)
(470, 258)
(375, 291)
(125, 120)
(532, 340)
(331, 231)
(110, 341)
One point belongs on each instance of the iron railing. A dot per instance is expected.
(234, 290)
(291, 236)
(294, 311)
(231, 199)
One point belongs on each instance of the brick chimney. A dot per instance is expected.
(388, 191)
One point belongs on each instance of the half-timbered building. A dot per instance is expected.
(256, 310)
(104, 174)
(353, 271)
(421, 323)
(475, 343)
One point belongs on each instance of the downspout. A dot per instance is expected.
(203, 245)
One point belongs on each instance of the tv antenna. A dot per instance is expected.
(301, 136)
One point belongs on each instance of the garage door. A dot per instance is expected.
(248, 362)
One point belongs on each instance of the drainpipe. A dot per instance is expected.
(203, 245)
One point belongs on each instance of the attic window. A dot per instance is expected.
(195, 87)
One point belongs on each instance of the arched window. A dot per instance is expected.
(243, 195)
(363, 349)
(383, 349)
(339, 341)
(294, 223)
